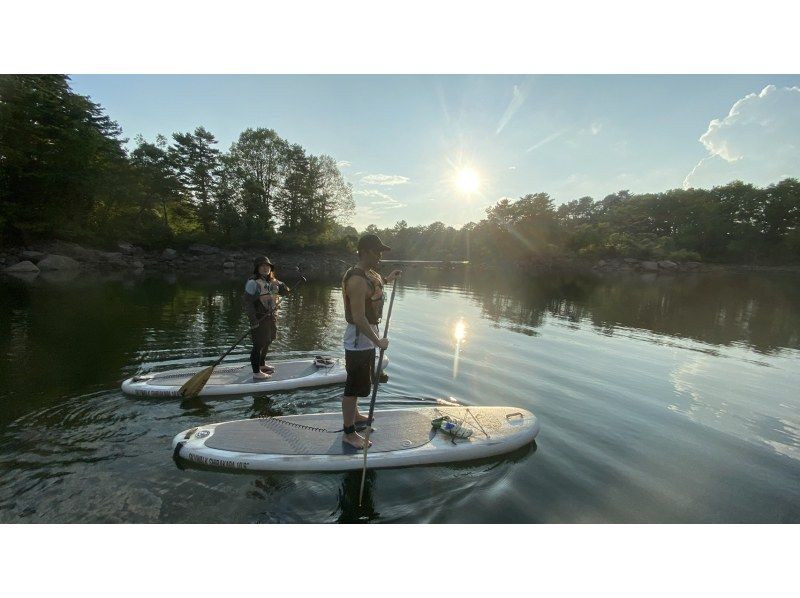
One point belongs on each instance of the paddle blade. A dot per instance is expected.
(192, 387)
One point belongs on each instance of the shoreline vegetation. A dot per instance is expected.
(64, 261)
(69, 181)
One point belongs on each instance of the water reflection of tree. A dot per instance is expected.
(529, 301)
(308, 315)
(436, 280)
(720, 310)
(758, 310)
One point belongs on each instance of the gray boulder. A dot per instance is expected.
(58, 262)
(667, 265)
(137, 265)
(649, 266)
(692, 265)
(125, 247)
(169, 254)
(114, 259)
(33, 256)
(25, 266)
(228, 265)
(201, 249)
(72, 250)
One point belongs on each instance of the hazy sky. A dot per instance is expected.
(400, 140)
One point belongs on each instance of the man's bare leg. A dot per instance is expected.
(349, 413)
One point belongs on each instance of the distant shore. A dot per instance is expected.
(64, 259)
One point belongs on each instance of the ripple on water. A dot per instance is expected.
(644, 419)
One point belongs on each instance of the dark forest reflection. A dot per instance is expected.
(721, 309)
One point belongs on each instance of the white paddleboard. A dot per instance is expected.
(313, 442)
(237, 380)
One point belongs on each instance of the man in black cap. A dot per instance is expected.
(362, 291)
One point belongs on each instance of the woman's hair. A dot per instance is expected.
(271, 275)
(258, 262)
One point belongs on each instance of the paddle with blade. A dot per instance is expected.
(192, 387)
(376, 383)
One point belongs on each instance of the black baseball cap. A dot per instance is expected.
(371, 242)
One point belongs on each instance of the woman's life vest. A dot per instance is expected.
(262, 298)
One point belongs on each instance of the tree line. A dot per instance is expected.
(737, 222)
(65, 172)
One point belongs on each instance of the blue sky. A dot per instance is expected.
(402, 139)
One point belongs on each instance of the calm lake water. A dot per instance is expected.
(661, 399)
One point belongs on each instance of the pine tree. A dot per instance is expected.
(57, 152)
(197, 162)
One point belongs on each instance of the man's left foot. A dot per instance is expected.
(267, 369)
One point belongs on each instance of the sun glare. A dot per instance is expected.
(460, 330)
(467, 180)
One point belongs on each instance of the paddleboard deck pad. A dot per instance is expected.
(237, 380)
(313, 442)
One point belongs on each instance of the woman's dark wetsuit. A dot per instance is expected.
(261, 303)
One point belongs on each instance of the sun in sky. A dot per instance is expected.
(467, 180)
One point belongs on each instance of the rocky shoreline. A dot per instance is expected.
(66, 260)
(658, 266)
(64, 257)
(622, 265)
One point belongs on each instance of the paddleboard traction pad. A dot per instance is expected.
(392, 431)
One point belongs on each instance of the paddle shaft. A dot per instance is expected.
(376, 382)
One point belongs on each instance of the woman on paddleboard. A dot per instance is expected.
(262, 295)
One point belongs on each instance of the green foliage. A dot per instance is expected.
(64, 173)
(735, 222)
(56, 149)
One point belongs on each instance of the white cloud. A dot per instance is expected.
(381, 200)
(593, 130)
(372, 193)
(512, 167)
(388, 204)
(518, 97)
(758, 141)
(546, 140)
(343, 164)
(384, 179)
